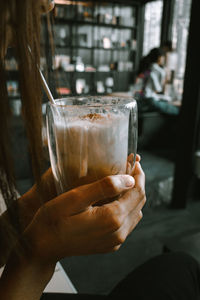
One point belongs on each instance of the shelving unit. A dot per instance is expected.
(95, 46)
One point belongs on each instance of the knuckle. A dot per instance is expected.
(140, 215)
(113, 215)
(144, 200)
(141, 192)
(112, 219)
(49, 219)
(108, 184)
(141, 170)
(106, 211)
(118, 208)
(115, 248)
(115, 222)
(74, 194)
(142, 173)
(120, 238)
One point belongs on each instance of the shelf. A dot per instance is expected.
(82, 22)
(12, 75)
(94, 72)
(83, 94)
(84, 29)
(94, 48)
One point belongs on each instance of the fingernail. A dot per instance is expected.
(128, 180)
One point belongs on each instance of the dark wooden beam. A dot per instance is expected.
(140, 36)
(167, 20)
(189, 115)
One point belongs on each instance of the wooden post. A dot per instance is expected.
(189, 114)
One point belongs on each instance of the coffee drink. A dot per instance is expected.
(89, 147)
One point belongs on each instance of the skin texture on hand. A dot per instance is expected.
(74, 221)
(74, 224)
(30, 202)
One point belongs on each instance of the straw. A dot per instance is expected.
(46, 88)
(44, 83)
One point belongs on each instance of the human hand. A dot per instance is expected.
(31, 201)
(32, 197)
(131, 162)
(71, 224)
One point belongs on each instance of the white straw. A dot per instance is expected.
(44, 83)
(46, 88)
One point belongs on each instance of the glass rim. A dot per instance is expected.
(113, 101)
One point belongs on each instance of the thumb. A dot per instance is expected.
(80, 198)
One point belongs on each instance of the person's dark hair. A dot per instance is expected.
(151, 57)
(24, 17)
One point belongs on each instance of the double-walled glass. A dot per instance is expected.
(89, 138)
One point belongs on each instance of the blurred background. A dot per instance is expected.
(97, 49)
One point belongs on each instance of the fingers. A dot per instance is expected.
(79, 199)
(133, 218)
(130, 162)
(130, 158)
(133, 197)
(131, 200)
(104, 228)
(128, 168)
(107, 225)
(118, 237)
(114, 239)
(131, 203)
(139, 176)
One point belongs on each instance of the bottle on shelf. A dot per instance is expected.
(79, 64)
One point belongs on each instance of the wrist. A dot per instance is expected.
(37, 248)
(25, 276)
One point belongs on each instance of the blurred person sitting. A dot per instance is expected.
(150, 84)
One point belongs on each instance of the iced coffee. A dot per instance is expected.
(87, 146)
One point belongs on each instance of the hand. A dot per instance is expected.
(30, 202)
(71, 224)
(130, 163)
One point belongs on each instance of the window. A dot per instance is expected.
(180, 28)
(180, 33)
(152, 25)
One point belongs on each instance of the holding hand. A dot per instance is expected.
(72, 224)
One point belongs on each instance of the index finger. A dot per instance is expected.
(79, 199)
(139, 176)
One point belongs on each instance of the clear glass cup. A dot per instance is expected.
(89, 138)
